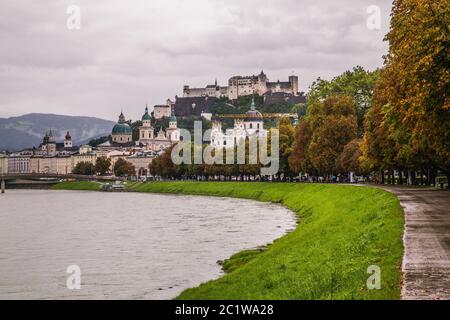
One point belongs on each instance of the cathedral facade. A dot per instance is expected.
(251, 125)
(162, 139)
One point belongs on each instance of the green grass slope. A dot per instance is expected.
(78, 185)
(342, 231)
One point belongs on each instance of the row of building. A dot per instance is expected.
(62, 157)
(63, 163)
(26, 162)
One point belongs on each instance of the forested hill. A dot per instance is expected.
(28, 130)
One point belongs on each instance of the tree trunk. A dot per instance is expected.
(433, 176)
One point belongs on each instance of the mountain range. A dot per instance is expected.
(26, 131)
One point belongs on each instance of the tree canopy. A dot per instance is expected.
(409, 125)
(321, 137)
(84, 168)
(102, 165)
(357, 83)
(123, 168)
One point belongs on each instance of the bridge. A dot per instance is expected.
(50, 178)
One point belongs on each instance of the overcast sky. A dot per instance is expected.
(129, 53)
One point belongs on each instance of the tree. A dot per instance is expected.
(102, 165)
(418, 51)
(189, 121)
(409, 124)
(349, 159)
(357, 83)
(84, 168)
(163, 165)
(299, 158)
(322, 135)
(123, 168)
(300, 109)
(287, 132)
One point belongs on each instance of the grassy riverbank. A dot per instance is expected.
(78, 185)
(342, 231)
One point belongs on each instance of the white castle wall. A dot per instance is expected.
(243, 86)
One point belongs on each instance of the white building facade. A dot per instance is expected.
(244, 86)
(19, 164)
(251, 125)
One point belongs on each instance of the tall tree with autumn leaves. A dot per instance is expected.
(322, 136)
(408, 127)
(357, 83)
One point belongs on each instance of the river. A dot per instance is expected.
(127, 245)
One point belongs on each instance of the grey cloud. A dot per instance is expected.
(131, 53)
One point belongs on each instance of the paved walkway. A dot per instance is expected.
(426, 262)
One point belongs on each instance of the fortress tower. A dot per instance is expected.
(293, 80)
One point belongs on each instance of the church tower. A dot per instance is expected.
(173, 132)
(146, 133)
(51, 144)
(68, 141)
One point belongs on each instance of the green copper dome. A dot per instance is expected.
(146, 115)
(122, 128)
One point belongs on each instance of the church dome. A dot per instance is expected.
(122, 128)
(146, 116)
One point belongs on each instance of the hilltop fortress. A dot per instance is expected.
(200, 101)
(243, 86)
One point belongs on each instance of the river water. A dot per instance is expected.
(127, 245)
